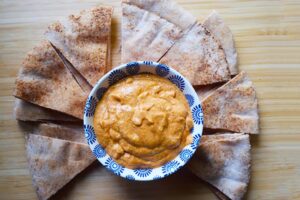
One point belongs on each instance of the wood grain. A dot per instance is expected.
(267, 35)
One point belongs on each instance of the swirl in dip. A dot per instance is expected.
(143, 121)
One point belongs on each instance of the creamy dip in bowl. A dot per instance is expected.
(143, 120)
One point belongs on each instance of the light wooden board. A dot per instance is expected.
(267, 35)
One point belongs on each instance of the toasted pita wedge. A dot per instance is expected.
(224, 161)
(168, 10)
(43, 80)
(82, 82)
(145, 36)
(216, 25)
(72, 133)
(198, 57)
(232, 107)
(205, 90)
(54, 162)
(84, 40)
(26, 111)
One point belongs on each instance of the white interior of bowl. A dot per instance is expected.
(134, 68)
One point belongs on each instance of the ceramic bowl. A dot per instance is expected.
(134, 68)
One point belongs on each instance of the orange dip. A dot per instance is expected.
(143, 121)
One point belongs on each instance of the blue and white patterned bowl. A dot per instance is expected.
(114, 76)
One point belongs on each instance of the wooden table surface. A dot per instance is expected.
(267, 35)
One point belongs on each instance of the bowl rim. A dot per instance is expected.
(129, 69)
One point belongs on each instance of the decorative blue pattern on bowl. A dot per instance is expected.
(190, 99)
(115, 76)
(170, 167)
(90, 106)
(162, 70)
(185, 155)
(178, 81)
(133, 68)
(99, 152)
(130, 177)
(197, 114)
(196, 141)
(100, 92)
(143, 67)
(192, 130)
(149, 63)
(113, 166)
(89, 134)
(142, 172)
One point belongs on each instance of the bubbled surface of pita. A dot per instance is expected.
(145, 36)
(216, 25)
(168, 10)
(232, 107)
(44, 80)
(198, 57)
(83, 39)
(53, 162)
(223, 160)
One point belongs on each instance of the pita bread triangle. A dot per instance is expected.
(146, 35)
(216, 25)
(84, 40)
(69, 132)
(205, 90)
(44, 80)
(26, 111)
(232, 107)
(223, 160)
(54, 162)
(199, 57)
(168, 10)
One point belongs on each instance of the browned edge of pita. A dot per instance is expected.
(223, 160)
(216, 25)
(54, 162)
(26, 111)
(145, 35)
(43, 80)
(109, 49)
(232, 107)
(199, 57)
(168, 10)
(84, 40)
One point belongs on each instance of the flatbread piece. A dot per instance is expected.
(216, 25)
(168, 10)
(84, 40)
(145, 36)
(26, 111)
(205, 90)
(199, 57)
(232, 107)
(70, 132)
(43, 80)
(54, 162)
(223, 160)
